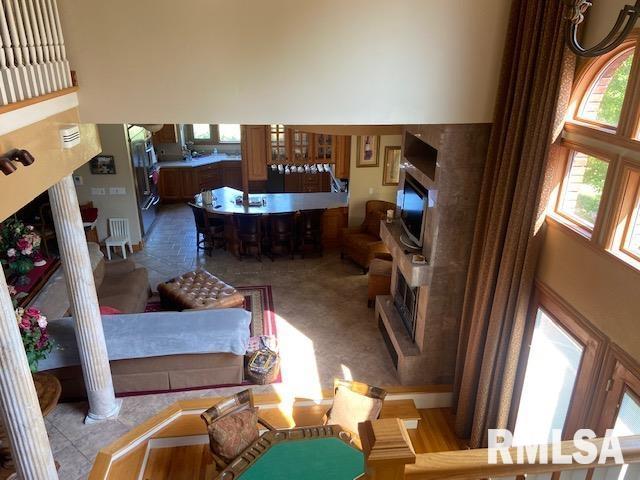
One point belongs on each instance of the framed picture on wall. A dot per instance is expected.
(103, 165)
(391, 172)
(367, 151)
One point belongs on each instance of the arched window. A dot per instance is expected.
(598, 171)
(602, 103)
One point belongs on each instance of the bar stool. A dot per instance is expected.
(208, 228)
(282, 232)
(310, 230)
(248, 233)
(216, 226)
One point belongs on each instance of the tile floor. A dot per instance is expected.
(324, 327)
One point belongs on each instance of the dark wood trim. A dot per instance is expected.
(594, 345)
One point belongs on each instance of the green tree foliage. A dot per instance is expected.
(611, 105)
(588, 200)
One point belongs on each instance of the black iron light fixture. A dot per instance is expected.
(17, 155)
(621, 29)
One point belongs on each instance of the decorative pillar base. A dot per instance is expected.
(92, 418)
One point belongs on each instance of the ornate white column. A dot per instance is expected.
(84, 301)
(21, 414)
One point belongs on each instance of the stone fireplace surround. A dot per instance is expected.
(450, 167)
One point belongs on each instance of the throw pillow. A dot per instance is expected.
(106, 310)
(231, 434)
(351, 408)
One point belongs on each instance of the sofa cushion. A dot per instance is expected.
(360, 240)
(106, 310)
(351, 408)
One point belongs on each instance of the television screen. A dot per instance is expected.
(413, 205)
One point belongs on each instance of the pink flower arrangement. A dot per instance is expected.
(36, 341)
(19, 245)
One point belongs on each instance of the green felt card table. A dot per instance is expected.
(307, 453)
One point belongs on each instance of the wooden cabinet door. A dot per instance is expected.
(278, 151)
(300, 146)
(167, 134)
(255, 150)
(209, 177)
(170, 185)
(342, 155)
(232, 175)
(323, 151)
(189, 183)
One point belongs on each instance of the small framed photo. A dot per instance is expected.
(103, 165)
(391, 172)
(367, 151)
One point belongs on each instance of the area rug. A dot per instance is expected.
(258, 301)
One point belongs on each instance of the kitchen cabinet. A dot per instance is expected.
(180, 184)
(255, 149)
(342, 156)
(167, 134)
(307, 182)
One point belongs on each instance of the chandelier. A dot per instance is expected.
(623, 26)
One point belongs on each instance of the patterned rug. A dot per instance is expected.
(258, 301)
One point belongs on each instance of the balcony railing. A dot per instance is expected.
(33, 58)
(389, 456)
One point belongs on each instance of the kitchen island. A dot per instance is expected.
(224, 202)
(334, 204)
(180, 180)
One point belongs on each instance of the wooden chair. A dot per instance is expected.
(46, 227)
(233, 405)
(209, 230)
(348, 409)
(282, 232)
(310, 230)
(119, 236)
(248, 233)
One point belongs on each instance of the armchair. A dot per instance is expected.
(232, 425)
(362, 243)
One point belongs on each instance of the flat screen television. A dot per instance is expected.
(412, 216)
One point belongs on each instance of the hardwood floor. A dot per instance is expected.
(434, 434)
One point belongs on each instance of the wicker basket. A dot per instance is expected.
(263, 366)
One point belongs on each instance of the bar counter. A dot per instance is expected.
(224, 202)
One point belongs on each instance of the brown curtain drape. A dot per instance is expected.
(535, 76)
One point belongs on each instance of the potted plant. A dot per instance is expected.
(36, 341)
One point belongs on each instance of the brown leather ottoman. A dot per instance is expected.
(198, 290)
(379, 279)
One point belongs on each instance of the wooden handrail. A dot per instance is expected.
(389, 455)
(473, 464)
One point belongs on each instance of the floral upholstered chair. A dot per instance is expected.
(354, 403)
(232, 425)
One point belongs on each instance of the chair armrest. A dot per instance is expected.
(119, 267)
(383, 256)
(266, 424)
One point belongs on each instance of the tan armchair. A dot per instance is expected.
(362, 243)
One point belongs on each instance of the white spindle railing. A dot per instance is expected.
(33, 58)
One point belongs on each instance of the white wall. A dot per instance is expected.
(365, 183)
(286, 61)
(600, 19)
(114, 142)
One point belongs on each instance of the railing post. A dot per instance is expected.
(387, 448)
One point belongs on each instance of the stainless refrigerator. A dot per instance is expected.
(145, 172)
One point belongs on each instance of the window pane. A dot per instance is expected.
(201, 131)
(583, 187)
(554, 360)
(229, 132)
(634, 232)
(603, 101)
(628, 421)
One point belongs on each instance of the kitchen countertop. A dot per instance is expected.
(200, 161)
(225, 201)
